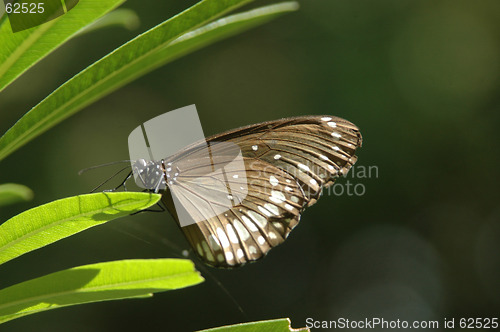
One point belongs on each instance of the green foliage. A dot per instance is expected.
(120, 17)
(96, 282)
(54, 221)
(139, 56)
(275, 325)
(188, 31)
(21, 50)
(12, 193)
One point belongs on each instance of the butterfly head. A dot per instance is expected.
(152, 175)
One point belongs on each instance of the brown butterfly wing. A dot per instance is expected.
(287, 163)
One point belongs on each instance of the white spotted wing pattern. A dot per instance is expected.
(287, 164)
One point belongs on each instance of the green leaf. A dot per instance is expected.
(51, 222)
(96, 282)
(11, 193)
(141, 55)
(121, 17)
(274, 325)
(21, 50)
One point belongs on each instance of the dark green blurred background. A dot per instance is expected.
(420, 79)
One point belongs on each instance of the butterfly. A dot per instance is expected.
(285, 165)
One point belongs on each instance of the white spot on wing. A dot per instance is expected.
(313, 182)
(239, 253)
(326, 118)
(205, 246)
(231, 234)
(278, 194)
(294, 199)
(278, 225)
(252, 250)
(273, 180)
(277, 156)
(229, 256)
(323, 157)
(242, 231)
(261, 240)
(288, 207)
(272, 236)
(214, 242)
(251, 226)
(336, 135)
(210, 257)
(255, 147)
(235, 176)
(275, 200)
(259, 219)
(288, 189)
(261, 209)
(304, 167)
(332, 124)
(222, 237)
(208, 253)
(273, 208)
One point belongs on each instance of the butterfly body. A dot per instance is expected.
(285, 166)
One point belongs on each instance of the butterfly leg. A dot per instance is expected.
(162, 209)
(124, 182)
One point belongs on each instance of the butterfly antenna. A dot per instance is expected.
(103, 165)
(110, 178)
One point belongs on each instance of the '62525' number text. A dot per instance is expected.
(24, 8)
(485, 323)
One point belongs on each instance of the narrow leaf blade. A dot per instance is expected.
(11, 193)
(21, 50)
(274, 325)
(141, 55)
(218, 30)
(120, 17)
(96, 282)
(54, 221)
